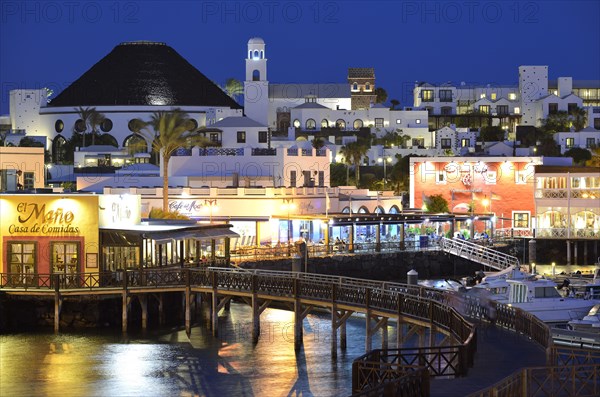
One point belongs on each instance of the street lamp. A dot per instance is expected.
(288, 205)
(384, 160)
(211, 204)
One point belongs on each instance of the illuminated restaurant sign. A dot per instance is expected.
(35, 218)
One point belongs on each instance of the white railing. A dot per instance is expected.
(478, 253)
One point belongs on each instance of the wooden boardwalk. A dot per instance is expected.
(500, 352)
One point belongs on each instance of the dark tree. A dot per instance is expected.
(437, 204)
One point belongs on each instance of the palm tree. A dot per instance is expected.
(353, 153)
(234, 88)
(579, 118)
(84, 116)
(171, 130)
(96, 119)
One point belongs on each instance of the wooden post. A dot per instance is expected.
(57, 303)
(402, 243)
(334, 321)
(227, 251)
(351, 238)
(161, 311)
(143, 299)
(255, 311)
(124, 311)
(384, 334)
(188, 314)
(297, 316)
(369, 332)
(214, 304)
(343, 339)
(378, 237)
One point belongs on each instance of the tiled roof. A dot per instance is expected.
(140, 74)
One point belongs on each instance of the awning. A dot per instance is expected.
(211, 233)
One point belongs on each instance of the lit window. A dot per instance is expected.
(398, 121)
(465, 142)
(493, 96)
(378, 123)
(517, 110)
(311, 124)
(241, 137)
(482, 95)
(296, 123)
(427, 95)
(418, 121)
(512, 96)
(521, 220)
(569, 143)
(485, 109)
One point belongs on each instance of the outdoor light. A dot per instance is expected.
(553, 269)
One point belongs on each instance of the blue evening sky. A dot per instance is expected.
(51, 43)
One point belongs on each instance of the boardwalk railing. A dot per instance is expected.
(478, 253)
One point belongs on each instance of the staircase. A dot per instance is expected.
(478, 253)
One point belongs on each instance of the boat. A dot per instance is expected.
(589, 323)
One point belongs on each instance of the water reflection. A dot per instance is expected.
(168, 363)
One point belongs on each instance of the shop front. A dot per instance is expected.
(48, 234)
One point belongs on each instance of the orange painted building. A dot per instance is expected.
(502, 186)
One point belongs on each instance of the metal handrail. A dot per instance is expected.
(478, 253)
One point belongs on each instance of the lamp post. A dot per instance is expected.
(384, 160)
(212, 205)
(288, 204)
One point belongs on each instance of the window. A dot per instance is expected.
(441, 178)
(22, 257)
(517, 110)
(493, 96)
(255, 75)
(485, 109)
(321, 178)
(521, 220)
(311, 124)
(569, 143)
(482, 95)
(341, 124)
(241, 137)
(293, 178)
(65, 257)
(418, 142)
(355, 87)
(59, 126)
(367, 87)
(552, 108)
(465, 142)
(358, 124)
(378, 123)
(502, 109)
(427, 95)
(214, 137)
(445, 95)
(107, 125)
(597, 123)
(418, 121)
(399, 121)
(28, 180)
(512, 96)
(296, 123)
(262, 136)
(324, 123)
(446, 110)
(446, 143)
(572, 107)
(589, 143)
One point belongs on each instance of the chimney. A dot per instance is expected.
(565, 86)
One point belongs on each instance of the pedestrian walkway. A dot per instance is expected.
(500, 352)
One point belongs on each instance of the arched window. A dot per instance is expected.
(346, 210)
(107, 139)
(135, 144)
(358, 123)
(363, 210)
(262, 54)
(255, 75)
(341, 124)
(250, 54)
(296, 123)
(367, 87)
(311, 124)
(58, 149)
(59, 126)
(394, 209)
(255, 54)
(324, 123)
(106, 125)
(355, 87)
(379, 210)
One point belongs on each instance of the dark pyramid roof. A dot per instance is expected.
(143, 73)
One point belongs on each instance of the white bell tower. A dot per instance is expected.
(256, 86)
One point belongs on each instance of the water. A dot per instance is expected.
(168, 363)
